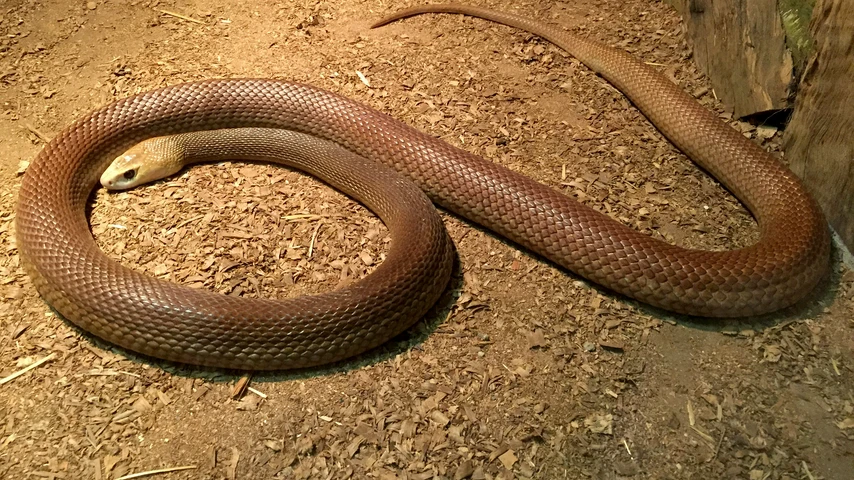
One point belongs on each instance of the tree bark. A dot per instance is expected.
(819, 141)
(741, 46)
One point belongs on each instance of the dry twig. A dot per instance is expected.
(156, 472)
(37, 133)
(313, 239)
(26, 369)
(257, 392)
(178, 15)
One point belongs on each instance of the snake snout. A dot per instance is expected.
(122, 173)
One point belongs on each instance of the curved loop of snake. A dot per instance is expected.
(195, 326)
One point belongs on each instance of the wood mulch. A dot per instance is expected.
(524, 371)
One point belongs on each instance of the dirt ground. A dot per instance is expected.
(525, 371)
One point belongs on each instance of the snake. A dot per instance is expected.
(161, 319)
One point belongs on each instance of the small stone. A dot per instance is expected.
(91, 5)
(589, 346)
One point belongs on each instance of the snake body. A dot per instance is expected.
(194, 326)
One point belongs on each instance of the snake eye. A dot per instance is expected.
(130, 174)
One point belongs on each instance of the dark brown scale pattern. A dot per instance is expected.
(168, 321)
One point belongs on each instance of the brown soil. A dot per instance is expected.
(528, 372)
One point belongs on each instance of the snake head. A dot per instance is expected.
(143, 163)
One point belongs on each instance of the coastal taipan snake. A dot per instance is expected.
(196, 326)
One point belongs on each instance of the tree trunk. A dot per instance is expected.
(741, 46)
(819, 141)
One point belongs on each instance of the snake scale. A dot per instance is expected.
(178, 323)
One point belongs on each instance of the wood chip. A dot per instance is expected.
(508, 459)
(464, 470)
(239, 388)
(439, 418)
(846, 424)
(599, 423)
(613, 344)
(231, 466)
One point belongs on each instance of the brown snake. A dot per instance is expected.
(201, 327)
